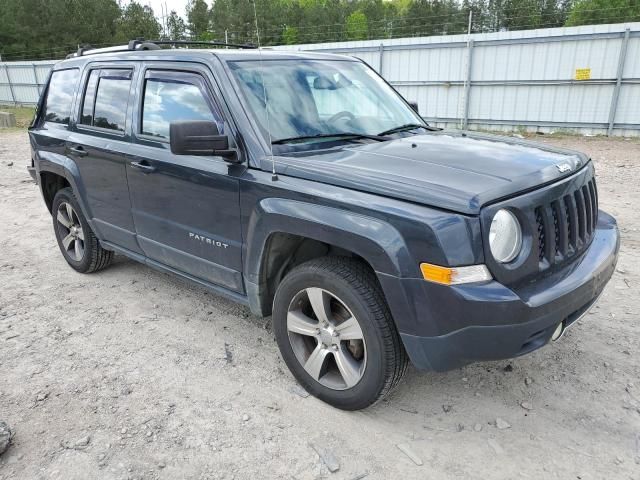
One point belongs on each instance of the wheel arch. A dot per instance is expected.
(50, 184)
(57, 172)
(283, 233)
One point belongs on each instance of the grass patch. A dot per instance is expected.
(24, 115)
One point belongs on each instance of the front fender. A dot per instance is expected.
(378, 242)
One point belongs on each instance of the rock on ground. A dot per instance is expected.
(6, 436)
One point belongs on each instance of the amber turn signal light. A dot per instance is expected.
(454, 275)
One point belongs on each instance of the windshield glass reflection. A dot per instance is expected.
(316, 98)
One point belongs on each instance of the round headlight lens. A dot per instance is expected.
(505, 236)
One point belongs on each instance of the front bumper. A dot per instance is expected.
(445, 327)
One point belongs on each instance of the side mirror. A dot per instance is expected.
(414, 105)
(200, 137)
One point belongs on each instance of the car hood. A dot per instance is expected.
(458, 171)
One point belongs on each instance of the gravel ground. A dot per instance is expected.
(130, 373)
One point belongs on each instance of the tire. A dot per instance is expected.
(359, 366)
(78, 244)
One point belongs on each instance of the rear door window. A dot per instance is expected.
(62, 87)
(173, 96)
(90, 98)
(106, 99)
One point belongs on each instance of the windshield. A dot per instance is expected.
(316, 98)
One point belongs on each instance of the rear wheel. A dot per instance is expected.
(336, 333)
(78, 244)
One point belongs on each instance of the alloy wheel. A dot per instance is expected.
(71, 231)
(326, 338)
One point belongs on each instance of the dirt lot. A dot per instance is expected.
(130, 373)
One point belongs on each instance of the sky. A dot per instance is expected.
(178, 5)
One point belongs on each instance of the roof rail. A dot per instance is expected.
(196, 42)
(142, 44)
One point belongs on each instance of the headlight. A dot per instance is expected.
(505, 236)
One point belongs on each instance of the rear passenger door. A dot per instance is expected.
(185, 208)
(99, 148)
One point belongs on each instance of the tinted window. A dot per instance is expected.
(60, 95)
(111, 99)
(89, 98)
(169, 99)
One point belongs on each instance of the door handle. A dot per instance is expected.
(78, 151)
(143, 167)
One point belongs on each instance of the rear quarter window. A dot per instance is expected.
(62, 87)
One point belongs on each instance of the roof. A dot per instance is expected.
(202, 54)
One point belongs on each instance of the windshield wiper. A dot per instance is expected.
(280, 141)
(409, 126)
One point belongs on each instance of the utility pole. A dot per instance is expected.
(464, 118)
(164, 21)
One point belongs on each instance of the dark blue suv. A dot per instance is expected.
(305, 187)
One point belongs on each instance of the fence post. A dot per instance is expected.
(35, 78)
(380, 57)
(467, 86)
(13, 95)
(616, 90)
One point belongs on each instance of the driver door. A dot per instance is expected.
(185, 208)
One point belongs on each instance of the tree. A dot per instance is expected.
(137, 21)
(522, 14)
(356, 26)
(589, 12)
(198, 19)
(63, 24)
(290, 35)
(176, 27)
(432, 17)
(57, 29)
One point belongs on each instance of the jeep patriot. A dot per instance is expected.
(303, 186)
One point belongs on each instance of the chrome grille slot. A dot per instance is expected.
(582, 218)
(594, 202)
(560, 228)
(572, 221)
(588, 210)
(541, 234)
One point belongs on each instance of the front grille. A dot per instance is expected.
(566, 225)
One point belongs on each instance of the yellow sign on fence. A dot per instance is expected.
(583, 74)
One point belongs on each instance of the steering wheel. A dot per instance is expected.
(341, 114)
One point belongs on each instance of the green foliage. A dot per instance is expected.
(51, 28)
(44, 29)
(290, 35)
(356, 26)
(198, 18)
(176, 28)
(589, 12)
(137, 21)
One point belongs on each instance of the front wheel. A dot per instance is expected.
(336, 334)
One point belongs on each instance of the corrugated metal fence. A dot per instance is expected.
(22, 82)
(582, 79)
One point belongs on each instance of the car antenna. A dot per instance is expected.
(274, 175)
